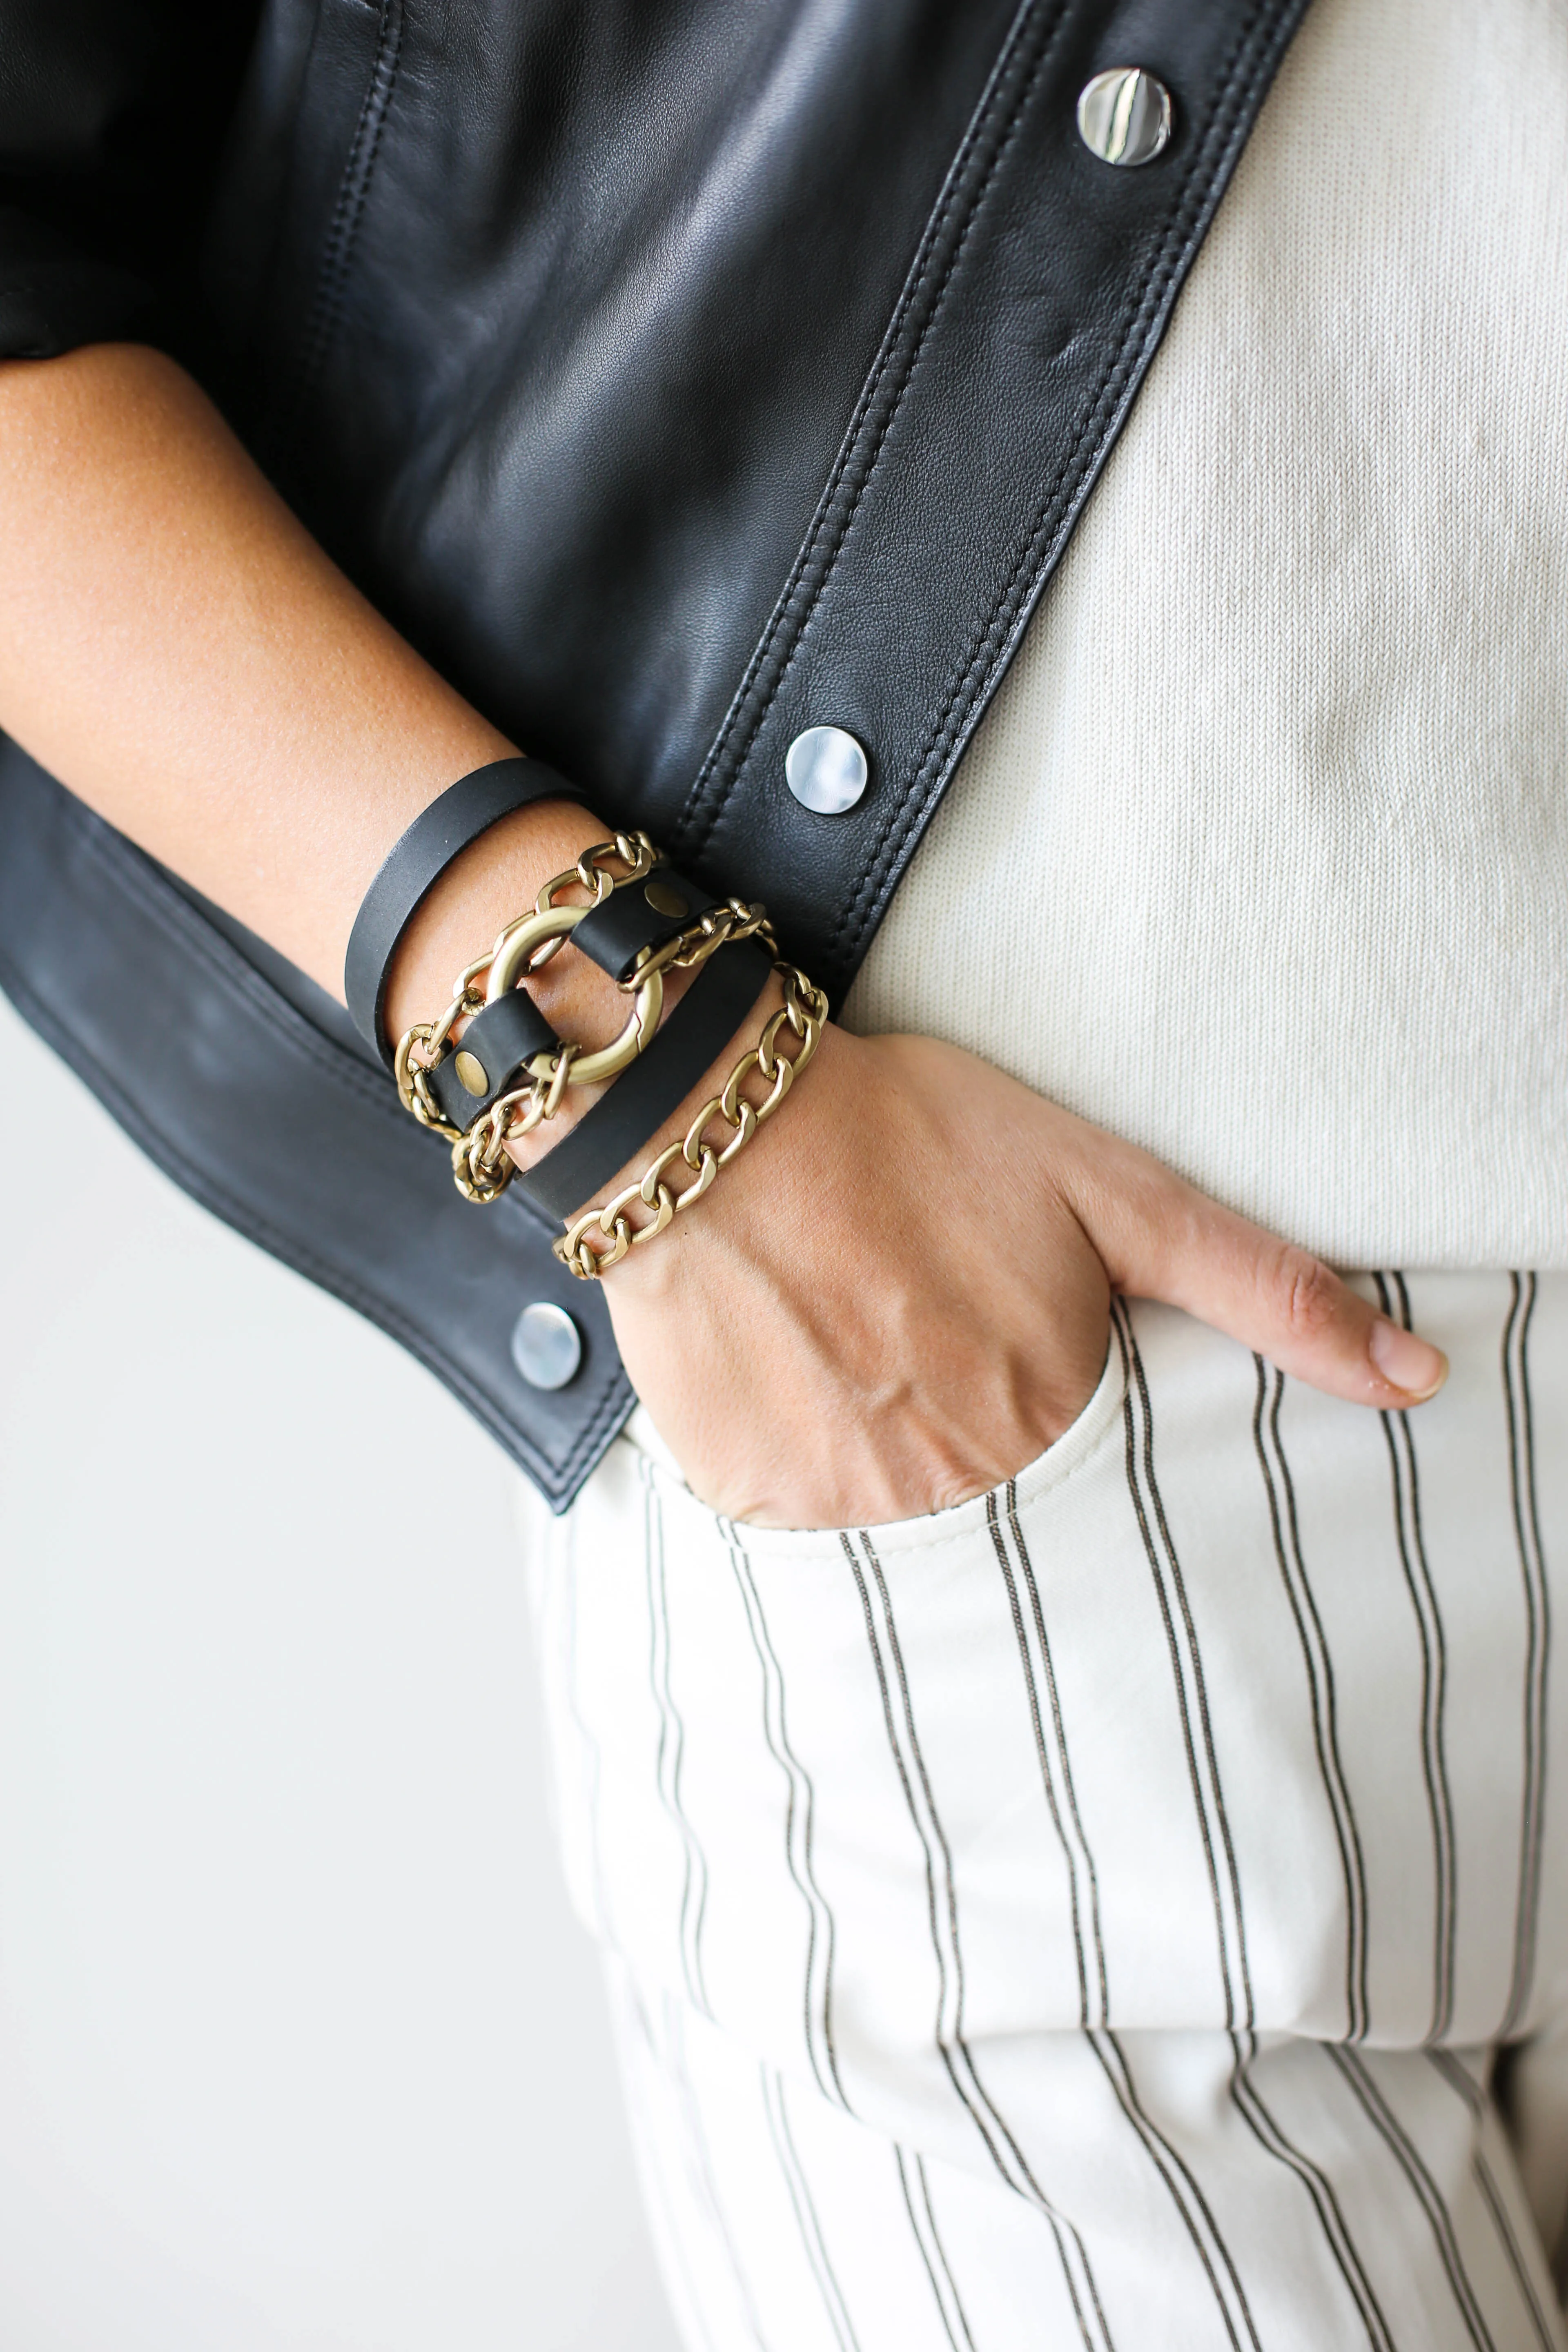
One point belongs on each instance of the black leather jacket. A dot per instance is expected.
(677, 375)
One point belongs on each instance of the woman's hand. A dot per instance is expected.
(900, 1293)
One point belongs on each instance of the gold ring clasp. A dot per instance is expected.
(514, 953)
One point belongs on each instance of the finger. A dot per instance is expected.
(1161, 1238)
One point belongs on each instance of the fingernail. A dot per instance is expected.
(1405, 1361)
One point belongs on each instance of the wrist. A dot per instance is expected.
(756, 1210)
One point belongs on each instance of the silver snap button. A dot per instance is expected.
(827, 769)
(1124, 115)
(546, 1345)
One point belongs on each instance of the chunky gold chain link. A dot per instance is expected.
(803, 1011)
(721, 927)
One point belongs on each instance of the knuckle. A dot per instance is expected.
(1304, 1294)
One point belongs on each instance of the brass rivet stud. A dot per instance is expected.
(666, 902)
(1124, 116)
(472, 1074)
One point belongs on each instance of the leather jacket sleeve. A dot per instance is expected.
(112, 114)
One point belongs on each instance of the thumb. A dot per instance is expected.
(1161, 1238)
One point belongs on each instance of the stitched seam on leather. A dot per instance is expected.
(332, 279)
(1138, 335)
(288, 1248)
(619, 1398)
(890, 373)
(164, 905)
(831, 530)
(268, 276)
(129, 871)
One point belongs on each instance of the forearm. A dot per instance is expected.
(177, 648)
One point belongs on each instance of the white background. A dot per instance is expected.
(298, 2043)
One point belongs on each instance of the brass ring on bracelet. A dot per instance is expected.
(514, 951)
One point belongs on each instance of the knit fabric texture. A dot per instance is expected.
(1260, 858)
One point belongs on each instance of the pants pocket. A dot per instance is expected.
(1232, 1710)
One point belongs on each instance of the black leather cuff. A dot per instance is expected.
(605, 1138)
(416, 862)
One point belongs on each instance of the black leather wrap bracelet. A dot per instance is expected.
(623, 1120)
(643, 914)
(417, 862)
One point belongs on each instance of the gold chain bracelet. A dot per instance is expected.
(431, 1039)
(481, 1168)
(803, 1011)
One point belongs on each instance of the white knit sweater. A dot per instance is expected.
(1261, 856)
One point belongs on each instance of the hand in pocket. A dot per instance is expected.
(899, 1294)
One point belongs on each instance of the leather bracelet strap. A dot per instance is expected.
(493, 1057)
(417, 862)
(614, 933)
(605, 1138)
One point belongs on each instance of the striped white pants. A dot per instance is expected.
(1128, 1910)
